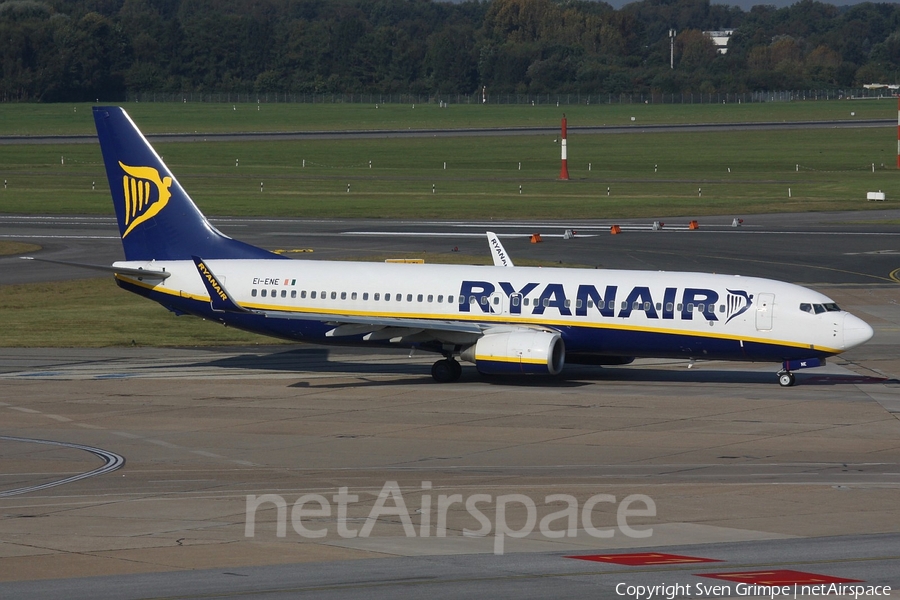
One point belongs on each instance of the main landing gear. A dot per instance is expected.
(446, 370)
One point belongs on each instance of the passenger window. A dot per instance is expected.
(646, 306)
(440, 299)
(680, 307)
(578, 303)
(324, 295)
(253, 293)
(263, 293)
(303, 294)
(721, 308)
(496, 299)
(472, 300)
(524, 301)
(353, 296)
(387, 297)
(590, 303)
(293, 293)
(334, 295)
(462, 299)
(365, 295)
(701, 308)
(484, 300)
(312, 295)
(419, 298)
(624, 305)
(636, 306)
(284, 293)
(343, 295)
(690, 307)
(670, 307)
(612, 304)
(659, 306)
(546, 302)
(430, 298)
(376, 297)
(450, 299)
(568, 303)
(514, 300)
(409, 297)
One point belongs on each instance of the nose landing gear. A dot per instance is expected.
(786, 379)
(786, 375)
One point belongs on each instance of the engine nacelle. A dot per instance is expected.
(538, 352)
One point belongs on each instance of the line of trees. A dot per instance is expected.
(74, 50)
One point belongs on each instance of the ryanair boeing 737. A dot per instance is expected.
(502, 318)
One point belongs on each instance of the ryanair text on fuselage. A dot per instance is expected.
(674, 303)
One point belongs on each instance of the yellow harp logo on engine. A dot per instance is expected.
(145, 194)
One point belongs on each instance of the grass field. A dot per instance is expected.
(174, 117)
(13, 248)
(81, 313)
(648, 175)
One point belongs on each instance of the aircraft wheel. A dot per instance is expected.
(457, 369)
(445, 370)
(786, 379)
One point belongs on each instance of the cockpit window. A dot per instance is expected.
(820, 308)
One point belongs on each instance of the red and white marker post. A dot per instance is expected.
(564, 171)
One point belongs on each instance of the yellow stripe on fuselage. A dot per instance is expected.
(512, 359)
(500, 319)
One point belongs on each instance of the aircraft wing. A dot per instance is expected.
(371, 323)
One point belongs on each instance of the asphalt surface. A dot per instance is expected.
(462, 132)
(764, 479)
(511, 576)
(811, 248)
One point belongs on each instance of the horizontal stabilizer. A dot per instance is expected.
(131, 272)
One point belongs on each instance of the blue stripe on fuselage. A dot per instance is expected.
(578, 339)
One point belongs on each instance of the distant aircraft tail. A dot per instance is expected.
(157, 219)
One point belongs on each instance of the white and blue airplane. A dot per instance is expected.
(502, 318)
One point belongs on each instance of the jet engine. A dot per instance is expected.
(525, 351)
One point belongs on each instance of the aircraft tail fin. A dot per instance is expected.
(157, 219)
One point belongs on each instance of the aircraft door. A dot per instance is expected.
(765, 304)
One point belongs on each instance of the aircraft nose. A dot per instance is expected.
(856, 331)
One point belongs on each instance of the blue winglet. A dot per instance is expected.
(218, 297)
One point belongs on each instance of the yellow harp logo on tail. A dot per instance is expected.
(140, 201)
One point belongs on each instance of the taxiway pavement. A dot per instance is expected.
(739, 470)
